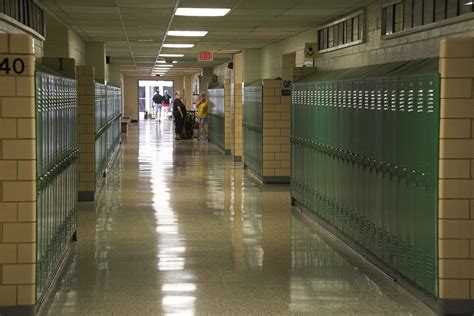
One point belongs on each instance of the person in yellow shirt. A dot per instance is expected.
(202, 107)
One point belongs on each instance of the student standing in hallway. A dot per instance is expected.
(157, 99)
(179, 113)
(202, 107)
(166, 103)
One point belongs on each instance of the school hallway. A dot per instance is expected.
(180, 229)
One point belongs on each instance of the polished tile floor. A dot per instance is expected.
(179, 230)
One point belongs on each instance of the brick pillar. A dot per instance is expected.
(456, 172)
(276, 133)
(238, 120)
(86, 112)
(227, 110)
(232, 119)
(17, 175)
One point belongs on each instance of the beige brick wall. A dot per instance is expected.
(232, 118)
(456, 184)
(17, 174)
(227, 110)
(238, 120)
(276, 130)
(86, 132)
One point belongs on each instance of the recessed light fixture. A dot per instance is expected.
(146, 40)
(187, 33)
(178, 45)
(171, 55)
(201, 12)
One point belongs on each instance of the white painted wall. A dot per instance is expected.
(375, 50)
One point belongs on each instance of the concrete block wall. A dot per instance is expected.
(238, 120)
(17, 176)
(86, 131)
(227, 110)
(232, 118)
(456, 170)
(276, 133)
(298, 73)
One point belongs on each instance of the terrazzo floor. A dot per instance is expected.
(178, 229)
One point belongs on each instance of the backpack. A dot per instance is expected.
(157, 98)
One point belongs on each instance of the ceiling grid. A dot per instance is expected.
(134, 30)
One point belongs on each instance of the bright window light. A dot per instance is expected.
(201, 12)
(171, 55)
(187, 33)
(178, 45)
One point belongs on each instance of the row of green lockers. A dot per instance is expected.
(252, 123)
(253, 127)
(108, 109)
(57, 173)
(365, 159)
(216, 113)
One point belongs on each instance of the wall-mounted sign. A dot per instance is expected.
(310, 50)
(205, 56)
(13, 66)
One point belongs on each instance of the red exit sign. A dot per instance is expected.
(205, 56)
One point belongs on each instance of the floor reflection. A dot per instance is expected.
(178, 229)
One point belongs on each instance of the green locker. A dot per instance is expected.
(216, 116)
(108, 113)
(364, 159)
(253, 127)
(56, 172)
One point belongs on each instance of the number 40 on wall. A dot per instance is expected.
(7, 65)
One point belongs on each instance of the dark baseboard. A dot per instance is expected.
(236, 158)
(86, 196)
(25, 310)
(456, 307)
(276, 180)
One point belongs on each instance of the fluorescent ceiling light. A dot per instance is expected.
(469, 3)
(171, 55)
(187, 33)
(178, 45)
(161, 61)
(201, 12)
(175, 61)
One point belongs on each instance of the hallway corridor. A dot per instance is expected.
(178, 229)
